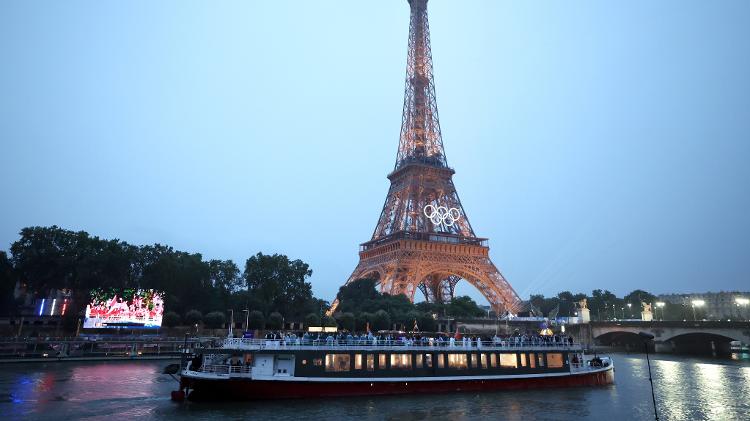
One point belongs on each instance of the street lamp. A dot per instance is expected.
(623, 312)
(630, 313)
(231, 323)
(247, 320)
(660, 304)
(697, 303)
(742, 302)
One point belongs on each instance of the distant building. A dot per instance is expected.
(713, 305)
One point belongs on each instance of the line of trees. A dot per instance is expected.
(195, 290)
(274, 288)
(362, 304)
(604, 305)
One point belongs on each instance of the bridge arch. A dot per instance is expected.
(700, 343)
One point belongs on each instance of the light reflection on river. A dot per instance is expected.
(686, 388)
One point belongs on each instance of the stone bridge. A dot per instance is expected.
(669, 336)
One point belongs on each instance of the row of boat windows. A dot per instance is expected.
(458, 361)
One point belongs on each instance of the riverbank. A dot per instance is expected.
(35, 350)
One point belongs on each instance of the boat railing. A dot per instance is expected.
(302, 344)
(224, 370)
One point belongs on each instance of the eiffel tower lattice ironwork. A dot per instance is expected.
(423, 239)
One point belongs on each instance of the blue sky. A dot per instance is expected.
(597, 144)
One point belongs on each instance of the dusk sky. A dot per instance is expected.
(597, 144)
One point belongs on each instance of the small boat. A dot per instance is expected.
(252, 369)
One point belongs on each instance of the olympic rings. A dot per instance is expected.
(440, 215)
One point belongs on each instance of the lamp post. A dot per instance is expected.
(623, 312)
(630, 313)
(660, 304)
(231, 323)
(742, 302)
(697, 303)
(247, 320)
(649, 337)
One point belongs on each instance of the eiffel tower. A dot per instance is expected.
(423, 239)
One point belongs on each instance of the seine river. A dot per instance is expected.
(687, 388)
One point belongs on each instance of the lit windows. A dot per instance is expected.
(508, 360)
(532, 360)
(337, 362)
(458, 361)
(554, 360)
(418, 362)
(401, 361)
(540, 360)
(484, 360)
(493, 360)
(474, 362)
(381, 362)
(358, 361)
(523, 360)
(441, 360)
(428, 361)
(370, 362)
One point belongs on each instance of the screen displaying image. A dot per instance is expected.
(128, 308)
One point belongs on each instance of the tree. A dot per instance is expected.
(7, 285)
(214, 320)
(275, 320)
(426, 322)
(193, 317)
(329, 321)
(358, 294)
(256, 320)
(279, 283)
(312, 319)
(224, 278)
(171, 319)
(464, 306)
(363, 319)
(635, 299)
(346, 321)
(381, 320)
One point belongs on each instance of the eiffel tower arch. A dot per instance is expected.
(423, 239)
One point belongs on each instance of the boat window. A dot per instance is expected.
(523, 360)
(370, 362)
(418, 362)
(441, 360)
(318, 361)
(540, 360)
(458, 361)
(381, 362)
(484, 360)
(493, 360)
(428, 360)
(554, 360)
(474, 362)
(401, 361)
(357, 361)
(338, 362)
(532, 360)
(508, 360)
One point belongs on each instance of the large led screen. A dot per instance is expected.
(128, 308)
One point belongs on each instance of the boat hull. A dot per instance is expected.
(247, 389)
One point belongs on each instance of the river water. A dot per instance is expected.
(687, 388)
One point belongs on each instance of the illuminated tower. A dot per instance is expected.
(423, 238)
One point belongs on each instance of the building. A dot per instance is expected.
(713, 305)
